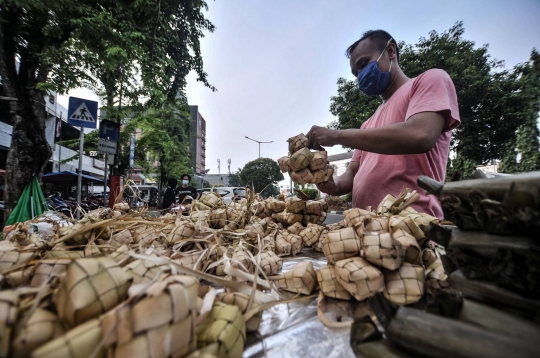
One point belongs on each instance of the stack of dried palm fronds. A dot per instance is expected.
(303, 165)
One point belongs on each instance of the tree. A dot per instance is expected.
(490, 98)
(259, 173)
(61, 45)
(234, 178)
(271, 190)
(526, 141)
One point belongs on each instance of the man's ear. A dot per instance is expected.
(391, 49)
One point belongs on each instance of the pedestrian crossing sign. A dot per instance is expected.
(82, 112)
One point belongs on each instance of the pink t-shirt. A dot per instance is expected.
(380, 174)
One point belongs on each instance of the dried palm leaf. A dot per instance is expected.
(391, 205)
(256, 229)
(382, 249)
(18, 278)
(89, 288)
(310, 235)
(319, 160)
(241, 300)
(302, 176)
(295, 205)
(359, 277)
(121, 206)
(63, 254)
(225, 327)
(121, 238)
(211, 199)
(329, 285)
(271, 263)
(413, 254)
(435, 275)
(318, 245)
(300, 279)
(192, 259)
(283, 163)
(241, 259)
(340, 244)
(406, 285)
(196, 205)
(9, 308)
(199, 216)
(297, 142)
(140, 330)
(257, 207)
(147, 236)
(80, 342)
(35, 330)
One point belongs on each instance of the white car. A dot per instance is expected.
(228, 192)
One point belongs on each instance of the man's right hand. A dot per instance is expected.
(328, 187)
(343, 184)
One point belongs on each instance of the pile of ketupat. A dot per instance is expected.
(305, 166)
(120, 282)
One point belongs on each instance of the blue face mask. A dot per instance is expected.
(371, 80)
(185, 182)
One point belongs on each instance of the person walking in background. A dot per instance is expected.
(169, 195)
(185, 190)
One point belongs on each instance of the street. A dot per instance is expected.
(333, 218)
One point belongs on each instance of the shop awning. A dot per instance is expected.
(69, 178)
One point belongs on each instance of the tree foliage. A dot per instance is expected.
(234, 178)
(259, 173)
(492, 100)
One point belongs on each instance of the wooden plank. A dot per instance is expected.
(479, 240)
(499, 321)
(429, 335)
(488, 292)
(380, 349)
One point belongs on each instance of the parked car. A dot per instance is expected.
(227, 193)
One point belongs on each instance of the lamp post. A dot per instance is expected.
(259, 144)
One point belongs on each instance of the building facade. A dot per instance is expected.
(340, 162)
(198, 140)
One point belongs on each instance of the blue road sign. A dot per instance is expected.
(132, 152)
(82, 112)
(108, 130)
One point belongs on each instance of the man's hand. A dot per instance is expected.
(319, 137)
(328, 187)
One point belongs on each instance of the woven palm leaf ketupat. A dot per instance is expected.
(295, 205)
(301, 177)
(319, 160)
(9, 308)
(283, 163)
(406, 224)
(406, 285)
(329, 172)
(147, 236)
(211, 199)
(184, 231)
(223, 329)
(144, 271)
(296, 228)
(41, 327)
(89, 288)
(329, 285)
(356, 216)
(241, 301)
(8, 259)
(271, 263)
(314, 219)
(297, 142)
(46, 270)
(300, 279)
(435, 275)
(377, 224)
(300, 159)
(241, 259)
(340, 244)
(63, 254)
(382, 250)
(275, 205)
(318, 177)
(296, 242)
(140, 330)
(359, 277)
(288, 218)
(413, 253)
(315, 207)
(121, 238)
(311, 234)
(80, 342)
(283, 247)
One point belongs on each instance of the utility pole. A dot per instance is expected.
(229, 162)
(218, 168)
(259, 144)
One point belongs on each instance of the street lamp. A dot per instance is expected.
(259, 144)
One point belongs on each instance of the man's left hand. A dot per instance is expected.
(319, 137)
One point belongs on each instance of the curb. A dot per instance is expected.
(336, 212)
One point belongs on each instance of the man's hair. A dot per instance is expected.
(379, 39)
(186, 175)
(172, 182)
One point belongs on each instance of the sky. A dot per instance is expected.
(275, 63)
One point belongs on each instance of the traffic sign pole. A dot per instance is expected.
(79, 176)
(105, 180)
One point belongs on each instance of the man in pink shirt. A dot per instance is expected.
(407, 136)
